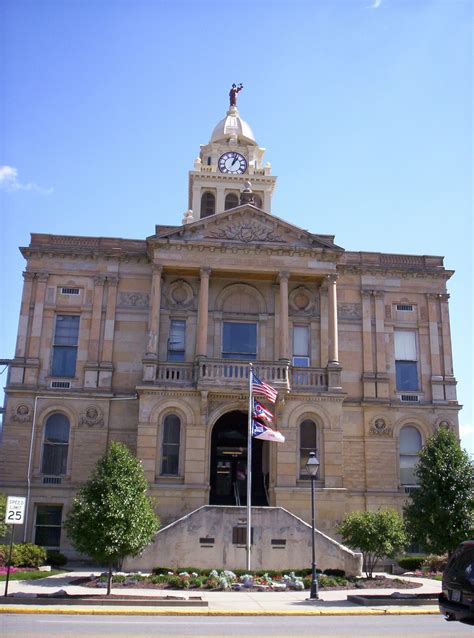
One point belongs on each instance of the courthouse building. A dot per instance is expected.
(147, 341)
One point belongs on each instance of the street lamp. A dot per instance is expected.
(312, 467)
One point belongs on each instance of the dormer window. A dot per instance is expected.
(208, 204)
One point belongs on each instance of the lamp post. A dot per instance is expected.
(312, 467)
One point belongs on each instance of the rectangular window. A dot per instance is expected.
(65, 343)
(406, 361)
(170, 445)
(239, 341)
(176, 341)
(301, 346)
(48, 526)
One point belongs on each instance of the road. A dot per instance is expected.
(55, 626)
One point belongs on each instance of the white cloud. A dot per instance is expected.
(376, 4)
(9, 181)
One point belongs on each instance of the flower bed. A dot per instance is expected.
(227, 580)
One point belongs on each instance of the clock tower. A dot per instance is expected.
(230, 158)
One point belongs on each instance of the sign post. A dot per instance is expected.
(14, 515)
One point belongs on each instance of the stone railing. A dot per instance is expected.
(208, 373)
(223, 372)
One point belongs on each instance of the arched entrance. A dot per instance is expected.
(229, 463)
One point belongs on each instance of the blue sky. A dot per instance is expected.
(364, 106)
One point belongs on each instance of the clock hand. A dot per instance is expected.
(236, 159)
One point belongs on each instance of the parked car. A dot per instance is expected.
(456, 601)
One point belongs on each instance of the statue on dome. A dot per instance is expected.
(233, 93)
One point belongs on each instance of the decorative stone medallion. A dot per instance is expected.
(180, 294)
(301, 300)
(246, 232)
(93, 416)
(22, 414)
(379, 428)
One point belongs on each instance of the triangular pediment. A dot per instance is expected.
(246, 224)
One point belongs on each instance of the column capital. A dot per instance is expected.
(205, 272)
(444, 297)
(99, 280)
(378, 294)
(42, 276)
(332, 278)
(157, 269)
(112, 280)
(28, 276)
(365, 292)
(432, 296)
(283, 275)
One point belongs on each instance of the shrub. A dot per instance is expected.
(335, 572)
(159, 579)
(434, 563)
(161, 570)
(24, 555)
(55, 558)
(410, 563)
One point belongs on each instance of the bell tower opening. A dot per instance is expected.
(228, 476)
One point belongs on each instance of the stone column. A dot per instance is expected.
(37, 323)
(432, 303)
(333, 350)
(382, 388)
(220, 199)
(154, 316)
(107, 348)
(94, 334)
(449, 380)
(323, 304)
(203, 313)
(20, 350)
(380, 332)
(284, 329)
(368, 360)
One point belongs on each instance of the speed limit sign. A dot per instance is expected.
(15, 511)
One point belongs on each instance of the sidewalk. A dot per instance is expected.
(229, 603)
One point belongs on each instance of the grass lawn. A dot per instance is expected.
(31, 575)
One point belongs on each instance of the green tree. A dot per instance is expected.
(440, 513)
(3, 507)
(112, 516)
(375, 534)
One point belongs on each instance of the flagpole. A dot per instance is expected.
(249, 469)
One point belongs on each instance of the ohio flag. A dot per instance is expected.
(261, 412)
(261, 431)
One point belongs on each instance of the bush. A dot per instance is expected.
(24, 555)
(161, 570)
(55, 558)
(160, 579)
(335, 572)
(434, 563)
(411, 563)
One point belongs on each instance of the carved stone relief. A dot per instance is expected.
(134, 299)
(380, 428)
(349, 310)
(22, 414)
(179, 294)
(246, 232)
(93, 416)
(302, 301)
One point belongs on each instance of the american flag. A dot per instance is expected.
(261, 412)
(261, 431)
(260, 387)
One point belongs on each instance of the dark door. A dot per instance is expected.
(229, 463)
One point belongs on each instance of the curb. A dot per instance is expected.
(181, 612)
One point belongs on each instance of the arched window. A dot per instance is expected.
(170, 445)
(410, 446)
(308, 443)
(258, 200)
(55, 445)
(231, 201)
(208, 204)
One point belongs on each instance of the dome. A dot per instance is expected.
(233, 126)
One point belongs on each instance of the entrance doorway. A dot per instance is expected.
(229, 463)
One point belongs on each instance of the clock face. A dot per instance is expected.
(233, 163)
